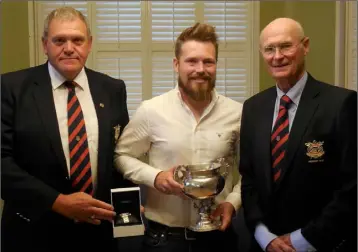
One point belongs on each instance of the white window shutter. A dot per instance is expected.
(134, 41)
(48, 6)
(117, 51)
(230, 19)
(231, 77)
(127, 68)
(118, 21)
(170, 18)
(163, 76)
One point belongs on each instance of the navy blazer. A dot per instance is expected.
(318, 189)
(33, 165)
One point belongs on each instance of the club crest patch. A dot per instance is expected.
(117, 130)
(315, 151)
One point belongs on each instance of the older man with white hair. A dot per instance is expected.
(298, 153)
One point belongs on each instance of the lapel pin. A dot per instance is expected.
(101, 105)
(78, 138)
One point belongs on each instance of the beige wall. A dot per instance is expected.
(14, 36)
(318, 21)
(14, 39)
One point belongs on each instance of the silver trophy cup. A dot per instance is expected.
(202, 182)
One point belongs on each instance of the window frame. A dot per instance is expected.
(343, 49)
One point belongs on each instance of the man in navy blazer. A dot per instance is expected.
(43, 211)
(299, 174)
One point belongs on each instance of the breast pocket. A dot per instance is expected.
(219, 142)
(217, 136)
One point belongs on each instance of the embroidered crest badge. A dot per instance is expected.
(117, 130)
(315, 149)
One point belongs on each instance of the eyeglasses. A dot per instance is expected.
(284, 48)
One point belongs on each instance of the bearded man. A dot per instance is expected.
(190, 124)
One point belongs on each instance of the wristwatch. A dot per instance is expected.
(125, 217)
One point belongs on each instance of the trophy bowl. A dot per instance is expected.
(202, 182)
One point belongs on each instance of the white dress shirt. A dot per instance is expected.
(165, 128)
(60, 94)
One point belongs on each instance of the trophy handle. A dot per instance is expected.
(224, 174)
(224, 166)
(176, 174)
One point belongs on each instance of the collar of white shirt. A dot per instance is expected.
(296, 91)
(57, 79)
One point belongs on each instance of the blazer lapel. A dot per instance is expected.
(263, 136)
(306, 109)
(45, 103)
(101, 102)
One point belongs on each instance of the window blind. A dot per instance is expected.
(134, 41)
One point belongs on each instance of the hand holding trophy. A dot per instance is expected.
(202, 182)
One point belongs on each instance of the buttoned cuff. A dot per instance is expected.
(263, 236)
(300, 243)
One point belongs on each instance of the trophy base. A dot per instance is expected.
(205, 226)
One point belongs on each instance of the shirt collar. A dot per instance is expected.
(57, 79)
(296, 91)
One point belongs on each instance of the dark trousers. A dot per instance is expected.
(160, 238)
(68, 236)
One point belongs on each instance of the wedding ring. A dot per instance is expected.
(93, 217)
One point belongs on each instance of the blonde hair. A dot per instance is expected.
(65, 13)
(199, 32)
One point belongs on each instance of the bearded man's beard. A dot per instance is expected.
(201, 92)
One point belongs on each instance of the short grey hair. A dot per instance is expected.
(65, 13)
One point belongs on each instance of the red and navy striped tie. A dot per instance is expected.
(279, 137)
(80, 172)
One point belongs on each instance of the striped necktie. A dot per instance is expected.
(279, 137)
(80, 171)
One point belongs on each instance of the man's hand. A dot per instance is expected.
(281, 244)
(165, 183)
(81, 207)
(286, 238)
(225, 210)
